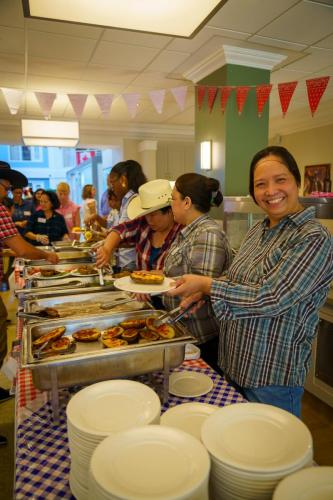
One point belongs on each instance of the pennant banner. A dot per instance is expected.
(13, 99)
(316, 87)
(225, 92)
(78, 102)
(45, 100)
(132, 102)
(212, 91)
(286, 91)
(157, 98)
(262, 94)
(241, 95)
(104, 102)
(200, 96)
(180, 93)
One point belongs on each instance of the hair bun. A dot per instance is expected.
(217, 198)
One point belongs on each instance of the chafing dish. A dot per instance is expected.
(65, 289)
(73, 255)
(91, 362)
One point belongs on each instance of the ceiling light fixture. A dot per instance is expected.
(50, 133)
(183, 18)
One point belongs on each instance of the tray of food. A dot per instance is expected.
(101, 347)
(66, 257)
(58, 271)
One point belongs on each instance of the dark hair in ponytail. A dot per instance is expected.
(132, 171)
(203, 191)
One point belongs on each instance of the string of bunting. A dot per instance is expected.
(315, 90)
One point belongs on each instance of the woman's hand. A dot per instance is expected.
(191, 284)
(42, 238)
(52, 257)
(103, 257)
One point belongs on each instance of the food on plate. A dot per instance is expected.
(165, 331)
(130, 335)
(150, 323)
(149, 335)
(49, 312)
(86, 335)
(113, 332)
(112, 343)
(86, 270)
(61, 344)
(122, 274)
(147, 278)
(49, 273)
(133, 323)
(53, 335)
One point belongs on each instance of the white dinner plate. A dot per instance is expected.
(127, 285)
(189, 384)
(38, 276)
(75, 272)
(312, 483)
(256, 437)
(188, 417)
(150, 462)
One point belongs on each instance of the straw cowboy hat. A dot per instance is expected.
(153, 195)
(13, 176)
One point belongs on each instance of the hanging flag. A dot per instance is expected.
(241, 95)
(13, 98)
(200, 95)
(212, 91)
(132, 102)
(286, 91)
(104, 102)
(316, 88)
(225, 92)
(45, 100)
(78, 102)
(157, 98)
(179, 93)
(262, 94)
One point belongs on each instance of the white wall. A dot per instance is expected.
(174, 159)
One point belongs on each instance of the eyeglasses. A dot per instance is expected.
(6, 186)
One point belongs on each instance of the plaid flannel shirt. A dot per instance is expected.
(268, 303)
(7, 229)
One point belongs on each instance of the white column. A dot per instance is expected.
(147, 151)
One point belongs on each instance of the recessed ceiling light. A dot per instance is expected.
(181, 18)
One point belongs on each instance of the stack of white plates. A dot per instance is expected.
(188, 417)
(252, 447)
(312, 483)
(150, 463)
(99, 411)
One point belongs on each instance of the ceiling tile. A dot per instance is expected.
(167, 61)
(12, 13)
(134, 38)
(161, 80)
(69, 29)
(118, 54)
(11, 40)
(273, 42)
(54, 67)
(110, 75)
(55, 46)
(313, 60)
(10, 63)
(326, 43)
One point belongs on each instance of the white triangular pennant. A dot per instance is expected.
(104, 102)
(180, 93)
(157, 98)
(13, 98)
(45, 100)
(132, 101)
(78, 102)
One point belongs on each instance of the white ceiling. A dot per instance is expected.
(47, 56)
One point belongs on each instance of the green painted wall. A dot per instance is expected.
(235, 139)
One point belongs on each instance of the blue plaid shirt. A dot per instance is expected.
(268, 303)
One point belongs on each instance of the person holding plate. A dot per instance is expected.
(267, 303)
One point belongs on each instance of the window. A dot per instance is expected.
(26, 153)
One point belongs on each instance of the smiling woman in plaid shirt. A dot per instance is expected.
(269, 300)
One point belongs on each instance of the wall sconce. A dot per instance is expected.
(206, 155)
(50, 133)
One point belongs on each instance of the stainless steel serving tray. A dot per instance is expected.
(52, 291)
(91, 362)
(67, 268)
(66, 257)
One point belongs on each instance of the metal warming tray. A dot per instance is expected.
(69, 289)
(67, 268)
(65, 257)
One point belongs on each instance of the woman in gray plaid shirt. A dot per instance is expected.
(268, 302)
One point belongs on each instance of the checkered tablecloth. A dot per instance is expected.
(42, 455)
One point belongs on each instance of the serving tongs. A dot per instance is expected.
(168, 317)
(42, 353)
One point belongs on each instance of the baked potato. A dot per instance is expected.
(147, 278)
(165, 331)
(130, 335)
(113, 332)
(133, 323)
(149, 335)
(113, 343)
(61, 345)
(86, 335)
(53, 335)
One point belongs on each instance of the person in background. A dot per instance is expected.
(202, 248)
(9, 204)
(46, 225)
(10, 236)
(68, 209)
(104, 205)
(126, 177)
(89, 206)
(23, 209)
(36, 198)
(113, 215)
(268, 302)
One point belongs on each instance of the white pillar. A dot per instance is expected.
(147, 151)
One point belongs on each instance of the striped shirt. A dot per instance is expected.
(268, 303)
(200, 248)
(7, 230)
(125, 256)
(138, 233)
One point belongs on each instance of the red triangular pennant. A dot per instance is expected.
(262, 94)
(225, 92)
(201, 91)
(212, 91)
(241, 95)
(286, 91)
(316, 88)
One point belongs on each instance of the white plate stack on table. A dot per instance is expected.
(99, 411)
(312, 483)
(188, 417)
(150, 463)
(252, 447)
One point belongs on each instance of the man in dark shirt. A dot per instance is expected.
(23, 209)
